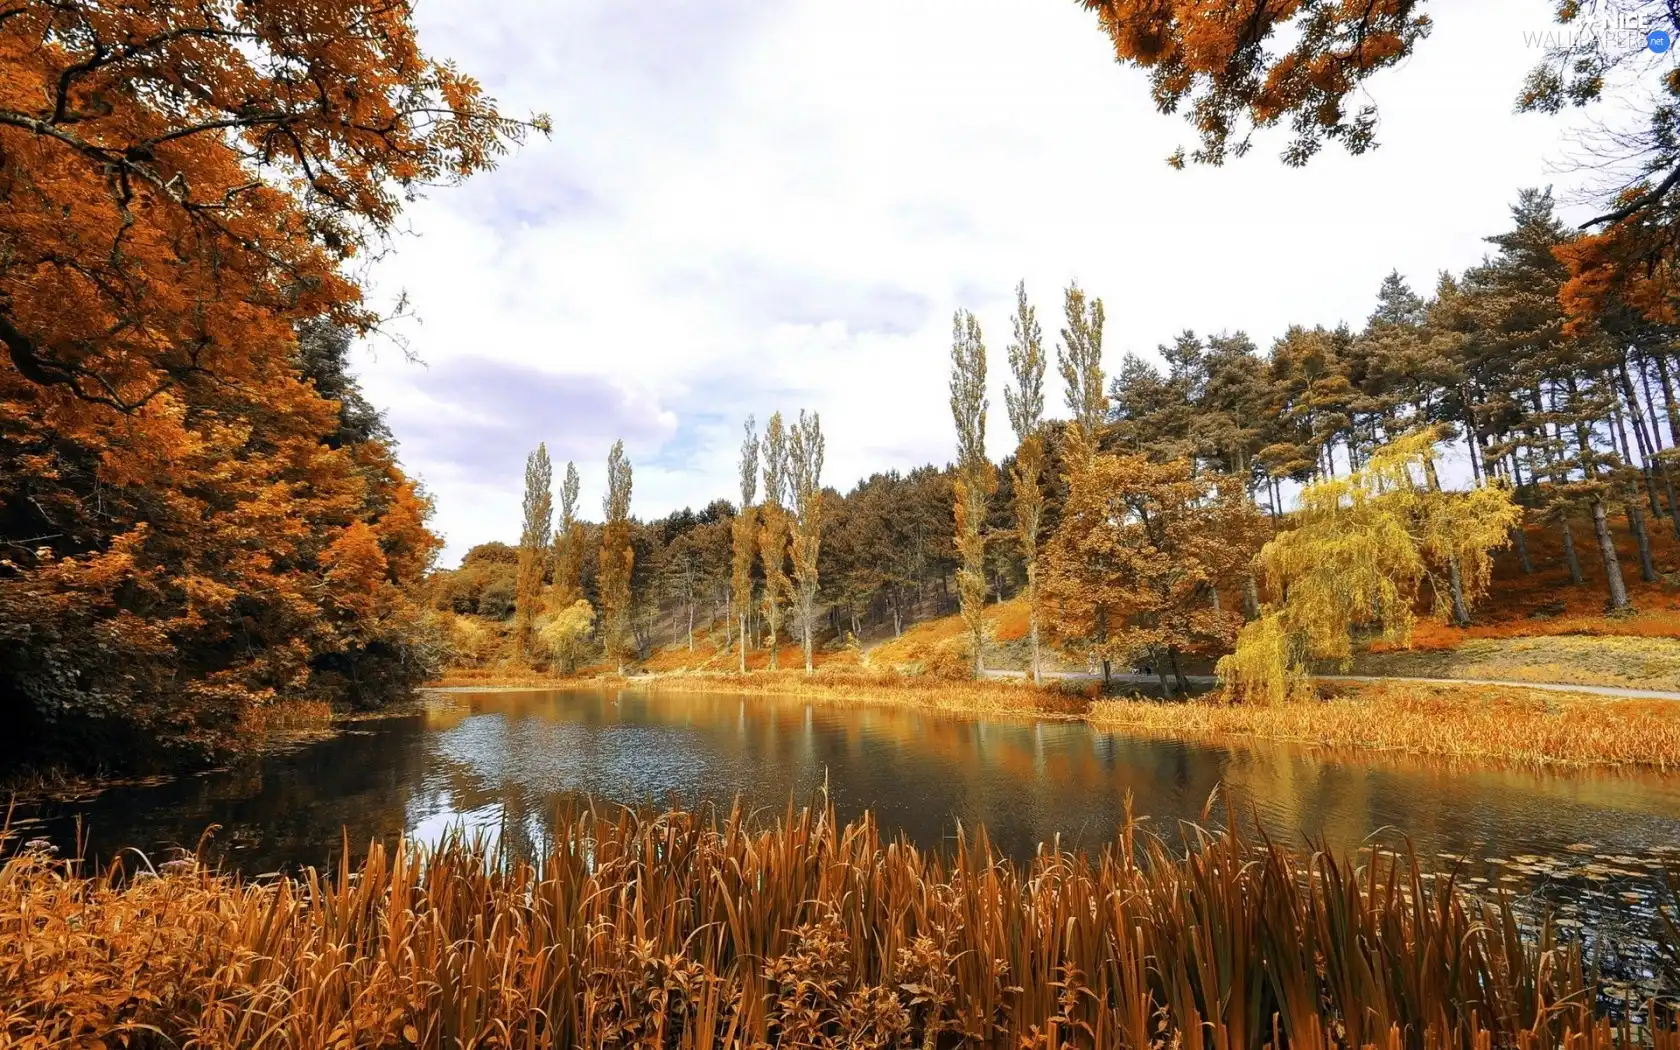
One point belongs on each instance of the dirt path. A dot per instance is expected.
(1617, 692)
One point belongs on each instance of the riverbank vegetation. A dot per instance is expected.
(711, 929)
(1436, 474)
(1490, 723)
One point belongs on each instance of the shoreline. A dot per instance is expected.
(1495, 723)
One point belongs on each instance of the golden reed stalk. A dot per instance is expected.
(709, 930)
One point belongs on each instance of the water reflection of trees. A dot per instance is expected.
(508, 760)
(287, 808)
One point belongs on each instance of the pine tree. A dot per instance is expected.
(618, 559)
(533, 547)
(1025, 402)
(976, 478)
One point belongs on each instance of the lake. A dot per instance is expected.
(1588, 845)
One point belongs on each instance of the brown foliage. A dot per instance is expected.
(190, 528)
(1136, 565)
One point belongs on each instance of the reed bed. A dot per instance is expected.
(1494, 722)
(712, 930)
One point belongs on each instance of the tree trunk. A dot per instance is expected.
(1032, 619)
(1178, 672)
(1102, 636)
(1569, 557)
(1519, 539)
(1657, 443)
(1251, 598)
(1669, 401)
(743, 640)
(1455, 576)
(1641, 538)
(808, 615)
(1612, 564)
(1473, 436)
(1455, 583)
(1160, 674)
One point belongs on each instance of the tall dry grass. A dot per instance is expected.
(707, 930)
(1501, 723)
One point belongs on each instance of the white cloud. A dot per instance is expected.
(751, 206)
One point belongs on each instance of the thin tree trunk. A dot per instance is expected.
(1160, 673)
(1519, 539)
(1472, 433)
(1657, 448)
(1636, 525)
(808, 615)
(1102, 637)
(1569, 557)
(743, 640)
(1649, 467)
(1251, 598)
(1669, 401)
(1178, 672)
(1455, 576)
(1612, 564)
(1032, 619)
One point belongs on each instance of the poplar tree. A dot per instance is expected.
(805, 457)
(743, 534)
(533, 546)
(976, 479)
(617, 558)
(1025, 402)
(1079, 360)
(773, 529)
(568, 544)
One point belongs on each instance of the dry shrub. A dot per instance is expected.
(679, 929)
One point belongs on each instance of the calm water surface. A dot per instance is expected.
(1588, 845)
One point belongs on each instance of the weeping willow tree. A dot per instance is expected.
(1368, 549)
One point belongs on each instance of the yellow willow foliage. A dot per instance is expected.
(564, 635)
(1365, 548)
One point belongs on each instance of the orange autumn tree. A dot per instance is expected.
(1141, 552)
(197, 514)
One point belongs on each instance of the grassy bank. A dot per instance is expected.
(1494, 723)
(699, 930)
(1629, 661)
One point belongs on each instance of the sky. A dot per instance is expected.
(758, 205)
